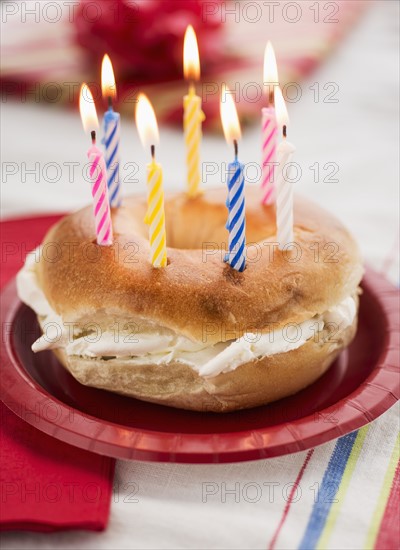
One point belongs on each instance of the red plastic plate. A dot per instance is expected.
(361, 385)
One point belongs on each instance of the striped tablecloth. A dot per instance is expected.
(344, 494)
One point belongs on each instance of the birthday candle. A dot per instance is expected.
(269, 127)
(101, 207)
(98, 174)
(192, 113)
(284, 199)
(155, 216)
(236, 223)
(111, 137)
(269, 133)
(236, 218)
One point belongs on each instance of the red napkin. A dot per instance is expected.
(46, 485)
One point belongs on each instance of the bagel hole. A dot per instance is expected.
(198, 223)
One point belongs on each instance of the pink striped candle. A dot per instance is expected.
(101, 205)
(269, 138)
(97, 171)
(269, 127)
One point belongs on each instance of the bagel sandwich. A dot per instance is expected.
(196, 334)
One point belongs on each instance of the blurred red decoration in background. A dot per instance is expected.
(144, 38)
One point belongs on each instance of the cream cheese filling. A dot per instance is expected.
(159, 345)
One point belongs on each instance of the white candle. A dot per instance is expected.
(284, 187)
(284, 196)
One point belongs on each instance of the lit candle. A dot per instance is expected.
(111, 133)
(155, 216)
(284, 197)
(192, 113)
(236, 224)
(98, 173)
(269, 127)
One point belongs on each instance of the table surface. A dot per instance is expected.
(253, 504)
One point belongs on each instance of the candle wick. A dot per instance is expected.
(192, 89)
(93, 134)
(153, 151)
(235, 145)
(271, 95)
(284, 130)
(109, 98)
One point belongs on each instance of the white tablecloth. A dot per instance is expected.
(360, 135)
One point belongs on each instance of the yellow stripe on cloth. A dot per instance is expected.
(341, 492)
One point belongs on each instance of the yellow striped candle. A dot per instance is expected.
(192, 113)
(155, 216)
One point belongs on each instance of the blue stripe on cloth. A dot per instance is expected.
(327, 492)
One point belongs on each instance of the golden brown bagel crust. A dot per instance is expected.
(83, 281)
(249, 385)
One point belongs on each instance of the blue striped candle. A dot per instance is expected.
(236, 224)
(111, 142)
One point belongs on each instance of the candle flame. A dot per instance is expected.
(146, 122)
(270, 66)
(87, 109)
(191, 59)
(107, 79)
(280, 108)
(229, 116)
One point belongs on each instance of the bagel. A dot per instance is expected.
(196, 334)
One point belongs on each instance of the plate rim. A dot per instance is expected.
(251, 444)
